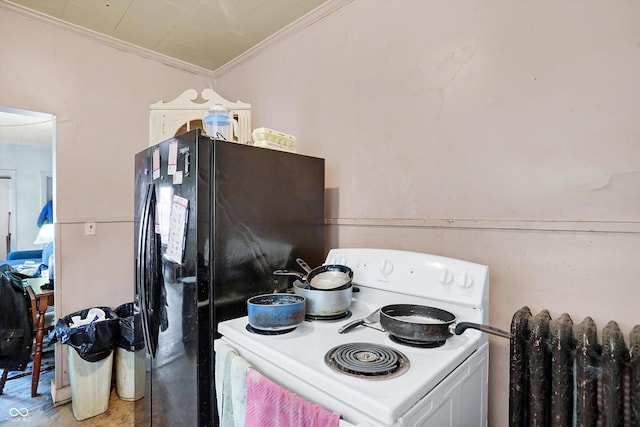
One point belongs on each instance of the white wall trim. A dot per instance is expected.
(301, 23)
(481, 224)
(98, 220)
(60, 396)
(11, 174)
(489, 224)
(106, 40)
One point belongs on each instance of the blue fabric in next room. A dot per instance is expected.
(24, 255)
(30, 262)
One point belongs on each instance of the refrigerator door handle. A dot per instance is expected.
(141, 277)
(156, 297)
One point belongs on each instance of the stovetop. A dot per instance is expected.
(301, 353)
(296, 360)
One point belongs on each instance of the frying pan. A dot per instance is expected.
(422, 324)
(325, 277)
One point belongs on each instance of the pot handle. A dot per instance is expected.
(304, 265)
(463, 326)
(288, 273)
(349, 326)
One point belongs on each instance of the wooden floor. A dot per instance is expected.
(17, 407)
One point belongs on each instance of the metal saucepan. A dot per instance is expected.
(275, 312)
(422, 324)
(325, 277)
(324, 303)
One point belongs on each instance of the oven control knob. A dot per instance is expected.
(446, 277)
(465, 281)
(387, 268)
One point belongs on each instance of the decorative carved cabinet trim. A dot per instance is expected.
(166, 119)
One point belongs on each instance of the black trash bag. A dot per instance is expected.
(94, 341)
(130, 337)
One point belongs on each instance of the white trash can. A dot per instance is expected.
(130, 373)
(90, 385)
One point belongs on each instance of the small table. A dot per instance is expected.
(40, 301)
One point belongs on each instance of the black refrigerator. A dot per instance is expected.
(213, 219)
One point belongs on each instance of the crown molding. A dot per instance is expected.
(105, 40)
(301, 23)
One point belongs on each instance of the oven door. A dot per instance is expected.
(459, 400)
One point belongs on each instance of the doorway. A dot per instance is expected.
(6, 202)
(27, 142)
(27, 183)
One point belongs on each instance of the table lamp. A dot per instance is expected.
(45, 235)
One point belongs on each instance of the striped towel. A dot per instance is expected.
(239, 369)
(231, 386)
(271, 405)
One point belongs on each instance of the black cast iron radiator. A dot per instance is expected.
(560, 375)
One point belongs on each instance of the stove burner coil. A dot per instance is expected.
(266, 332)
(365, 360)
(328, 318)
(418, 344)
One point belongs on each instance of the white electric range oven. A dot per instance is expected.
(433, 386)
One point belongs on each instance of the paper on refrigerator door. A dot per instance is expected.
(177, 229)
(173, 158)
(155, 163)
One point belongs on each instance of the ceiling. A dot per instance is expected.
(25, 127)
(206, 33)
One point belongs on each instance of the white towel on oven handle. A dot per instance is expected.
(224, 355)
(231, 390)
(239, 369)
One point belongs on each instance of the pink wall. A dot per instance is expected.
(100, 93)
(502, 132)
